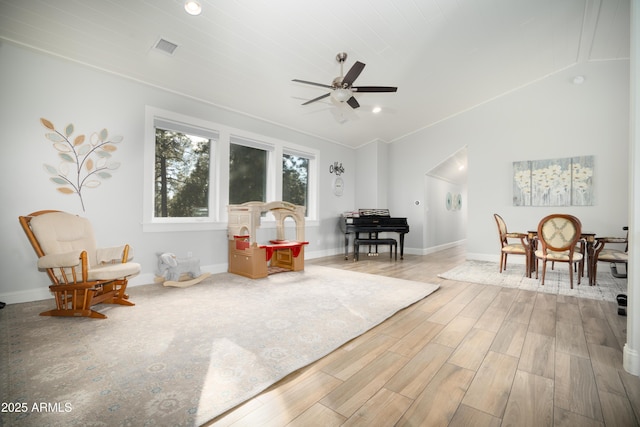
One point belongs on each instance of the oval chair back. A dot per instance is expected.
(558, 235)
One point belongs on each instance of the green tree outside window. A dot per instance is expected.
(182, 174)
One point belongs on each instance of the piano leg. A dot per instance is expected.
(346, 246)
(401, 246)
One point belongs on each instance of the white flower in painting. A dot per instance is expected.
(580, 186)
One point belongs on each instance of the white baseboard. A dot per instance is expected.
(26, 296)
(433, 249)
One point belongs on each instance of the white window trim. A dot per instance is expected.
(219, 173)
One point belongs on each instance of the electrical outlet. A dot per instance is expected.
(189, 254)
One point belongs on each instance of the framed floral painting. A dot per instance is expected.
(555, 182)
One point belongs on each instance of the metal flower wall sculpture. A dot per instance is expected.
(83, 162)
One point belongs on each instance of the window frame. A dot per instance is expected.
(312, 176)
(219, 172)
(270, 148)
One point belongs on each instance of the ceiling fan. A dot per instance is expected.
(342, 88)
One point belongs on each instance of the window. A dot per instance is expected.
(248, 167)
(295, 180)
(194, 168)
(181, 174)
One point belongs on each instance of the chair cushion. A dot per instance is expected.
(69, 259)
(514, 248)
(558, 256)
(61, 232)
(612, 255)
(107, 255)
(114, 271)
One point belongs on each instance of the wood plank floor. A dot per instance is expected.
(467, 355)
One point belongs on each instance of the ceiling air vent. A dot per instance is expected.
(165, 46)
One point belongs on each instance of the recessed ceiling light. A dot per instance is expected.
(578, 80)
(376, 110)
(193, 7)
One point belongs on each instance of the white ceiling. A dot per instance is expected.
(445, 56)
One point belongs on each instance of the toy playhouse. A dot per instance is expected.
(249, 258)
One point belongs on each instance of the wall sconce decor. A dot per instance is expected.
(454, 202)
(336, 168)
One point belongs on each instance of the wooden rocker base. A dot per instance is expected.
(120, 301)
(184, 283)
(74, 313)
(78, 312)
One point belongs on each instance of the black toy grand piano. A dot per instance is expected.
(372, 221)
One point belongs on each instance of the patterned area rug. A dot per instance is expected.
(182, 356)
(555, 282)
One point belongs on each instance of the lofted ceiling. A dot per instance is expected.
(445, 56)
(453, 169)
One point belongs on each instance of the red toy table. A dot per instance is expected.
(276, 245)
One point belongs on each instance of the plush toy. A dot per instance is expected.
(171, 269)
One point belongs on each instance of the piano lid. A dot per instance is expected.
(373, 212)
(373, 220)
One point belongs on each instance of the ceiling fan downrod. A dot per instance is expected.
(341, 58)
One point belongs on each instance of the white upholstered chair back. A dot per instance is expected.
(61, 232)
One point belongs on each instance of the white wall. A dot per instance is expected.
(548, 119)
(35, 85)
(372, 176)
(443, 226)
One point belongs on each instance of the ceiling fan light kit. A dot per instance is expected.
(341, 95)
(342, 88)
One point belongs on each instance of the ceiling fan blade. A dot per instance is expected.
(374, 89)
(317, 99)
(353, 74)
(312, 83)
(353, 102)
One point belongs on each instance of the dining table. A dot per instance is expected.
(588, 238)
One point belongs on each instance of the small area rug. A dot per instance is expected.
(182, 356)
(556, 281)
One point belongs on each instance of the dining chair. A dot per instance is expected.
(558, 235)
(581, 247)
(509, 246)
(613, 255)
